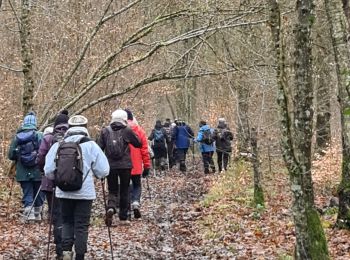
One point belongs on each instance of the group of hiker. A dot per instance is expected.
(59, 164)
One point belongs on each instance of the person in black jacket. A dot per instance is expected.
(114, 140)
(159, 139)
(223, 138)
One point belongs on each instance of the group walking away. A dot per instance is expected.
(59, 166)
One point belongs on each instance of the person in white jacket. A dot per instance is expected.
(76, 205)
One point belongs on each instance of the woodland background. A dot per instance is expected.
(179, 59)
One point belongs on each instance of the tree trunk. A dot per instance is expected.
(297, 131)
(339, 28)
(26, 52)
(243, 143)
(258, 190)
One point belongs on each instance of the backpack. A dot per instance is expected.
(115, 145)
(207, 137)
(69, 165)
(158, 135)
(27, 147)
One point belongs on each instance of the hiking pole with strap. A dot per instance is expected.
(51, 216)
(149, 190)
(108, 228)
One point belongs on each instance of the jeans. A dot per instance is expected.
(170, 150)
(114, 188)
(76, 220)
(222, 158)
(136, 188)
(207, 158)
(30, 189)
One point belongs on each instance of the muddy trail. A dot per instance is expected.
(165, 231)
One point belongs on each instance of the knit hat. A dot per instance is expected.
(120, 116)
(30, 119)
(62, 118)
(130, 115)
(48, 130)
(221, 119)
(77, 120)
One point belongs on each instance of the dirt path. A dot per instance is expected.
(162, 233)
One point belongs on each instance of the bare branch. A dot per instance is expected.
(10, 69)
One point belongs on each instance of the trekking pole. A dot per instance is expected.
(9, 198)
(27, 216)
(109, 230)
(149, 190)
(51, 216)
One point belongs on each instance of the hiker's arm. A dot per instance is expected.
(43, 150)
(100, 140)
(144, 150)
(12, 154)
(100, 166)
(50, 165)
(199, 137)
(151, 136)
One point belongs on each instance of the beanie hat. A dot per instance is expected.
(130, 115)
(62, 118)
(77, 120)
(202, 123)
(221, 119)
(120, 116)
(30, 119)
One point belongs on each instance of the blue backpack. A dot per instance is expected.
(27, 148)
(158, 135)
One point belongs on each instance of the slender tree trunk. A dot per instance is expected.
(339, 28)
(297, 131)
(346, 8)
(243, 143)
(28, 83)
(258, 190)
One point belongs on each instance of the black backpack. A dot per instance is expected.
(27, 148)
(207, 137)
(69, 165)
(115, 145)
(159, 135)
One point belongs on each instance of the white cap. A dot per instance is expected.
(221, 119)
(48, 130)
(120, 116)
(78, 120)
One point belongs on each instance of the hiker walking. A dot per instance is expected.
(59, 129)
(223, 138)
(114, 141)
(72, 164)
(159, 139)
(181, 136)
(141, 163)
(206, 146)
(23, 151)
(170, 143)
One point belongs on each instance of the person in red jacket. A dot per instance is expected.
(141, 163)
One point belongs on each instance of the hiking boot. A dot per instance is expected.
(67, 255)
(109, 217)
(37, 213)
(28, 214)
(206, 171)
(136, 208)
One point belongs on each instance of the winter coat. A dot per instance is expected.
(24, 173)
(223, 137)
(202, 146)
(140, 157)
(94, 163)
(129, 137)
(159, 147)
(182, 135)
(47, 142)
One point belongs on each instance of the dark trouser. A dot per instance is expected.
(136, 188)
(170, 148)
(76, 220)
(207, 158)
(30, 189)
(222, 158)
(56, 220)
(181, 155)
(113, 191)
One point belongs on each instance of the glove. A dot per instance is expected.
(145, 173)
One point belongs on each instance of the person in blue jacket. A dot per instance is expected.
(206, 145)
(181, 135)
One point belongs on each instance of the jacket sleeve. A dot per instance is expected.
(50, 165)
(151, 136)
(174, 134)
(144, 150)
(101, 139)
(100, 165)
(166, 136)
(199, 136)
(190, 132)
(43, 150)
(131, 137)
(12, 155)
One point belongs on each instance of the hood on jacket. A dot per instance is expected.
(204, 128)
(76, 131)
(222, 125)
(158, 125)
(117, 126)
